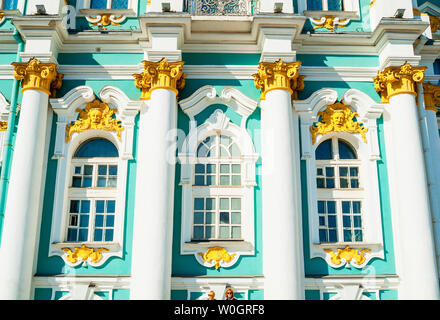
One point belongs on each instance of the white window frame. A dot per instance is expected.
(338, 194)
(351, 10)
(83, 8)
(65, 108)
(218, 122)
(4, 116)
(368, 153)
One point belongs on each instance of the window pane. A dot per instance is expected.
(113, 170)
(76, 182)
(224, 203)
(343, 171)
(87, 182)
(209, 232)
(333, 236)
(97, 148)
(100, 206)
(330, 183)
(355, 183)
(324, 151)
(323, 235)
(314, 4)
(102, 182)
(210, 168)
(346, 221)
(85, 206)
(236, 218)
(223, 152)
(354, 171)
(236, 232)
(198, 233)
(234, 150)
(210, 180)
(357, 222)
(99, 220)
(72, 234)
(236, 180)
(102, 170)
(199, 168)
(331, 206)
(330, 171)
(97, 235)
(82, 234)
(110, 222)
(120, 4)
(77, 170)
(358, 235)
(84, 221)
(10, 4)
(321, 206)
(108, 235)
(224, 168)
(346, 151)
(225, 180)
(345, 206)
(98, 4)
(199, 180)
(111, 206)
(236, 204)
(344, 183)
(224, 217)
(210, 203)
(347, 236)
(320, 183)
(356, 207)
(332, 221)
(74, 206)
(198, 218)
(198, 203)
(224, 232)
(334, 5)
(210, 218)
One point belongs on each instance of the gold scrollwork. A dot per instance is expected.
(348, 254)
(217, 254)
(38, 76)
(398, 80)
(432, 96)
(3, 125)
(434, 21)
(279, 75)
(105, 20)
(330, 22)
(84, 253)
(337, 118)
(96, 115)
(160, 75)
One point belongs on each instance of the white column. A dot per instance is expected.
(414, 240)
(282, 233)
(153, 218)
(18, 245)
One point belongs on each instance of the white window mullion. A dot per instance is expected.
(324, 5)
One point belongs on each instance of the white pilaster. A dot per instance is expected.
(154, 199)
(282, 228)
(412, 225)
(22, 215)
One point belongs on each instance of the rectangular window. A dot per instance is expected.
(328, 226)
(352, 221)
(217, 218)
(91, 220)
(325, 5)
(108, 4)
(95, 176)
(344, 177)
(8, 4)
(217, 174)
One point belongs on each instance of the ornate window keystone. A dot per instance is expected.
(337, 118)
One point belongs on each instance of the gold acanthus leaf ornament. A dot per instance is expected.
(36, 75)
(217, 254)
(279, 75)
(348, 254)
(434, 22)
(160, 75)
(330, 23)
(84, 253)
(96, 115)
(431, 96)
(337, 118)
(105, 20)
(398, 80)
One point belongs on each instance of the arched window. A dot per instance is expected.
(92, 192)
(217, 195)
(339, 192)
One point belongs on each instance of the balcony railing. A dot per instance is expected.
(222, 7)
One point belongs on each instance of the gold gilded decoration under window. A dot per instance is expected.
(105, 19)
(432, 96)
(329, 22)
(2, 17)
(217, 254)
(337, 118)
(160, 75)
(36, 75)
(279, 75)
(3, 125)
(84, 254)
(96, 115)
(398, 80)
(347, 254)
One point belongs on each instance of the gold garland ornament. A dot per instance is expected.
(434, 22)
(279, 75)
(3, 125)
(2, 17)
(35, 75)
(398, 80)
(337, 118)
(105, 20)
(96, 115)
(329, 22)
(84, 253)
(347, 254)
(431, 96)
(160, 75)
(217, 254)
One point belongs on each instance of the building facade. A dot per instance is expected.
(166, 149)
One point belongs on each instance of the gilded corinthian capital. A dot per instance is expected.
(36, 75)
(279, 75)
(160, 75)
(431, 96)
(398, 80)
